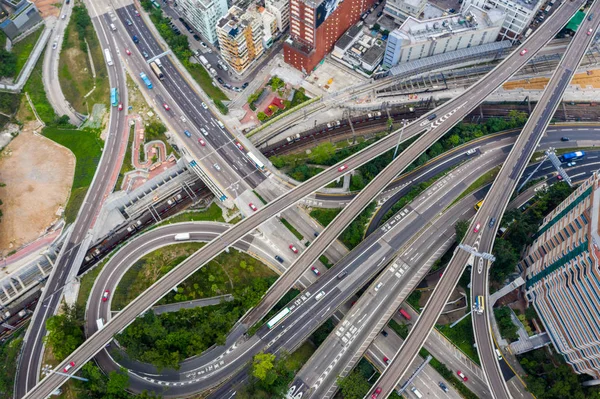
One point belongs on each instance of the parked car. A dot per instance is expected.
(315, 271)
(253, 207)
(294, 249)
(279, 258)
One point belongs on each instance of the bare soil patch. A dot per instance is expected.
(38, 175)
(48, 7)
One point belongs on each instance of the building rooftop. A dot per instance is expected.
(233, 22)
(348, 37)
(373, 54)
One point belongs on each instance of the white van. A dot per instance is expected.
(416, 392)
(319, 295)
(113, 27)
(221, 125)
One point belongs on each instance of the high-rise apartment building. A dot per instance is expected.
(281, 10)
(519, 14)
(416, 39)
(240, 34)
(315, 26)
(270, 26)
(203, 16)
(563, 277)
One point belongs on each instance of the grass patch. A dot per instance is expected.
(35, 88)
(222, 275)
(461, 335)
(9, 353)
(23, 49)
(74, 68)
(400, 329)
(304, 172)
(87, 148)
(212, 214)
(355, 232)
(413, 300)
(127, 164)
(325, 216)
(260, 197)
(483, 180)
(325, 260)
(292, 229)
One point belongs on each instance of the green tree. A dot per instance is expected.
(276, 83)
(262, 365)
(461, 228)
(8, 63)
(65, 332)
(507, 327)
(321, 153)
(262, 116)
(354, 386)
(506, 260)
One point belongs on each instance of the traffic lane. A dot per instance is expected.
(165, 284)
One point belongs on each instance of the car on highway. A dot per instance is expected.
(386, 360)
(145, 54)
(127, 51)
(137, 13)
(279, 258)
(315, 271)
(202, 142)
(217, 167)
(378, 286)
(376, 393)
(559, 177)
(166, 106)
(69, 366)
(477, 227)
(105, 295)
(204, 105)
(492, 222)
(564, 138)
(342, 168)
(204, 132)
(187, 133)
(462, 376)
(120, 108)
(572, 164)
(253, 207)
(294, 249)
(523, 52)
(54, 45)
(443, 386)
(239, 146)
(589, 32)
(128, 21)
(65, 16)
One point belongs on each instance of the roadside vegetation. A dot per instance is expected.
(483, 180)
(9, 353)
(507, 328)
(23, 48)
(87, 148)
(9, 104)
(462, 336)
(127, 164)
(81, 48)
(355, 232)
(35, 88)
(180, 47)
(357, 384)
(212, 214)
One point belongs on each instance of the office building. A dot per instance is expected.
(519, 14)
(24, 17)
(400, 10)
(240, 35)
(417, 39)
(281, 10)
(203, 16)
(563, 277)
(315, 26)
(358, 50)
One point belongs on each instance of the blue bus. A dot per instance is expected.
(155, 4)
(114, 97)
(572, 156)
(146, 80)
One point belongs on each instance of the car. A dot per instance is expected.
(443, 386)
(378, 286)
(589, 32)
(54, 45)
(209, 50)
(237, 89)
(187, 133)
(145, 54)
(137, 13)
(217, 167)
(227, 86)
(386, 360)
(379, 14)
(572, 164)
(245, 85)
(128, 21)
(384, 333)
(166, 106)
(65, 16)
(462, 376)
(376, 393)
(523, 52)
(120, 107)
(220, 66)
(477, 227)
(204, 105)
(69, 366)
(127, 51)
(499, 354)
(315, 271)
(220, 80)
(559, 177)
(239, 146)
(342, 168)
(452, 11)
(105, 296)
(492, 222)
(279, 258)
(204, 132)
(202, 142)
(197, 37)
(253, 207)
(203, 45)
(293, 248)
(564, 138)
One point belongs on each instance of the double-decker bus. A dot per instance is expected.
(478, 205)
(278, 318)
(114, 97)
(156, 70)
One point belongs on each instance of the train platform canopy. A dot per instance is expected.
(576, 21)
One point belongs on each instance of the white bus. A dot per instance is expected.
(256, 161)
(278, 318)
(108, 57)
(100, 324)
(182, 236)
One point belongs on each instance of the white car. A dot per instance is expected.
(204, 105)
(217, 167)
(54, 45)
(378, 286)
(204, 132)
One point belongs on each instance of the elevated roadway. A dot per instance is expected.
(481, 233)
(435, 125)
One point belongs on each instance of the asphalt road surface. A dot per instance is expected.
(435, 125)
(479, 236)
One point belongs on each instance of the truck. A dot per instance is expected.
(100, 324)
(572, 156)
(158, 63)
(146, 80)
(108, 57)
(405, 314)
(182, 237)
(204, 61)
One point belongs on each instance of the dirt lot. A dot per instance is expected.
(584, 80)
(37, 174)
(48, 7)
